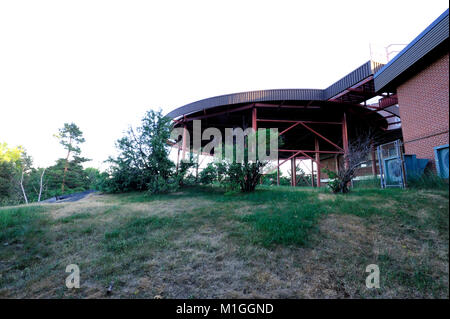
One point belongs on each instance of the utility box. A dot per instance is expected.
(441, 158)
(414, 166)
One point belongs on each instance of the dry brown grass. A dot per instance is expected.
(207, 254)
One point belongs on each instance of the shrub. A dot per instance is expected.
(208, 175)
(334, 183)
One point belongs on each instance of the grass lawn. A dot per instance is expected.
(201, 243)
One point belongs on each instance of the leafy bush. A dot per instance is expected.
(242, 176)
(159, 185)
(208, 175)
(143, 162)
(334, 182)
(182, 176)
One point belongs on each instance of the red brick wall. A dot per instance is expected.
(423, 104)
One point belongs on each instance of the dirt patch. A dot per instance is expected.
(346, 228)
(88, 205)
(168, 208)
(323, 196)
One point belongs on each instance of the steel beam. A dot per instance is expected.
(283, 106)
(345, 139)
(321, 136)
(366, 80)
(289, 158)
(290, 127)
(254, 120)
(316, 142)
(293, 171)
(278, 171)
(184, 141)
(295, 121)
(312, 151)
(242, 108)
(374, 162)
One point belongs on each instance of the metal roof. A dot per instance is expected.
(248, 97)
(435, 34)
(383, 75)
(363, 72)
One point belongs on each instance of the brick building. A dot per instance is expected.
(418, 77)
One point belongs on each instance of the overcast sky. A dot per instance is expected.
(102, 64)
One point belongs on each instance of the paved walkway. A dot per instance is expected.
(69, 197)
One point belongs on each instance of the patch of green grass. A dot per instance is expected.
(367, 183)
(282, 215)
(428, 181)
(74, 217)
(24, 237)
(285, 227)
(408, 274)
(187, 192)
(135, 232)
(17, 224)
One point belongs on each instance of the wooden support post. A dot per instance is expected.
(317, 161)
(312, 173)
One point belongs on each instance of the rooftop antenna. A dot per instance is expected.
(384, 54)
(394, 51)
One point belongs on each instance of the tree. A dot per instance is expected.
(143, 162)
(244, 176)
(41, 184)
(93, 175)
(70, 136)
(76, 178)
(17, 176)
(10, 154)
(358, 150)
(9, 159)
(25, 166)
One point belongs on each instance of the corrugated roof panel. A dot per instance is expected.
(430, 38)
(249, 97)
(349, 80)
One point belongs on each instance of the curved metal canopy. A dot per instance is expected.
(356, 76)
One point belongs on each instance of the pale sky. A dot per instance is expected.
(102, 64)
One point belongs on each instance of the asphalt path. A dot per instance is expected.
(69, 197)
